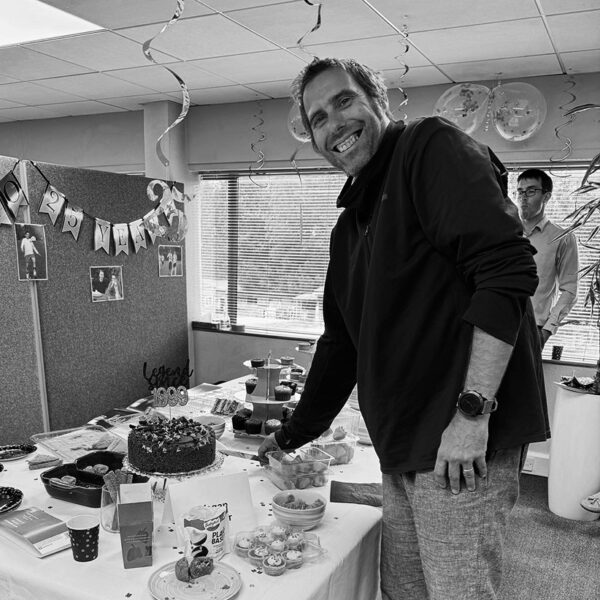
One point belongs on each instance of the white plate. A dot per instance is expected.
(223, 583)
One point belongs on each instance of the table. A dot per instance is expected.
(350, 533)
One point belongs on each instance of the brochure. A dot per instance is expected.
(35, 530)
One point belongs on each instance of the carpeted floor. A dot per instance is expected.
(548, 557)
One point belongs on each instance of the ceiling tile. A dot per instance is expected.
(224, 95)
(585, 61)
(553, 7)
(32, 94)
(577, 31)
(415, 77)
(340, 20)
(8, 103)
(526, 37)
(229, 5)
(99, 51)
(137, 102)
(273, 89)
(23, 63)
(201, 37)
(255, 66)
(378, 53)
(94, 86)
(25, 113)
(441, 14)
(4, 79)
(520, 66)
(72, 109)
(158, 78)
(112, 14)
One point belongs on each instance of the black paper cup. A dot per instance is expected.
(557, 352)
(84, 531)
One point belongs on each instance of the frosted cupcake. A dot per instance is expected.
(257, 554)
(295, 540)
(293, 559)
(277, 546)
(243, 543)
(279, 532)
(273, 564)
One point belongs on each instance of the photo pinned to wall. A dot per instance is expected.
(170, 261)
(106, 283)
(30, 243)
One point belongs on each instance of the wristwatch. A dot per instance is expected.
(472, 404)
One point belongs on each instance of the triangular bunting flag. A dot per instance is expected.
(152, 225)
(102, 236)
(11, 195)
(73, 218)
(121, 237)
(4, 220)
(52, 203)
(138, 236)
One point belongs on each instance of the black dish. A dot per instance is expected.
(16, 451)
(10, 498)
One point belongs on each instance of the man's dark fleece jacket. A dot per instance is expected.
(427, 246)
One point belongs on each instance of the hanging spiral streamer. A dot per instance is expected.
(314, 27)
(184, 90)
(404, 45)
(566, 141)
(256, 146)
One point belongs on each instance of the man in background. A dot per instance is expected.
(29, 252)
(426, 308)
(556, 259)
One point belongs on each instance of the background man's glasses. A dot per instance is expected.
(529, 192)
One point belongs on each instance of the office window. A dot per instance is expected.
(265, 242)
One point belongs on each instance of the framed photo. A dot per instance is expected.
(32, 255)
(106, 283)
(170, 261)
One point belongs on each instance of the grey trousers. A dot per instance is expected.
(440, 546)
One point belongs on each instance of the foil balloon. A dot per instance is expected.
(464, 104)
(518, 110)
(175, 230)
(296, 126)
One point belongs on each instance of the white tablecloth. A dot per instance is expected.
(349, 533)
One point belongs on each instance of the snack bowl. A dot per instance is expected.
(216, 423)
(300, 512)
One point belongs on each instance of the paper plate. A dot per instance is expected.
(16, 451)
(223, 583)
(10, 498)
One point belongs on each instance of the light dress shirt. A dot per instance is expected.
(557, 265)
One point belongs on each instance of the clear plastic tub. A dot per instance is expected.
(341, 450)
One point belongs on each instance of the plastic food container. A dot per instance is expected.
(301, 469)
(341, 451)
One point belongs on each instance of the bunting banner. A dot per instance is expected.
(72, 219)
(152, 225)
(11, 195)
(4, 220)
(52, 203)
(121, 238)
(137, 229)
(102, 236)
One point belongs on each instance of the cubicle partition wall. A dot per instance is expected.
(87, 357)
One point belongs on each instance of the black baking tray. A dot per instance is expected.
(87, 490)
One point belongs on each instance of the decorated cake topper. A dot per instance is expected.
(168, 385)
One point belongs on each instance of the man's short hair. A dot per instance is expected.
(545, 179)
(369, 80)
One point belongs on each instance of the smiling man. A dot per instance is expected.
(427, 309)
(556, 259)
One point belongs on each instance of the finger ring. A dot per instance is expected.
(467, 470)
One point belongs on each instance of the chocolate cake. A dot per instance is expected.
(170, 446)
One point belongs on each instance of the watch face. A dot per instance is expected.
(470, 404)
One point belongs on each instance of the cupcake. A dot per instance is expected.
(295, 540)
(257, 362)
(286, 360)
(279, 532)
(264, 537)
(291, 384)
(272, 425)
(250, 384)
(293, 558)
(253, 425)
(273, 564)
(200, 566)
(257, 554)
(277, 546)
(282, 393)
(243, 543)
(238, 420)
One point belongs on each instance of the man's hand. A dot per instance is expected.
(269, 444)
(462, 450)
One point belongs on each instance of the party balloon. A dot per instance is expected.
(296, 126)
(176, 230)
(464, 105)
(518, 110)
(158, 190)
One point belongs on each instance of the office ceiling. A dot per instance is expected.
(244, 50)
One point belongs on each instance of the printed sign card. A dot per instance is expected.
(136, 524)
